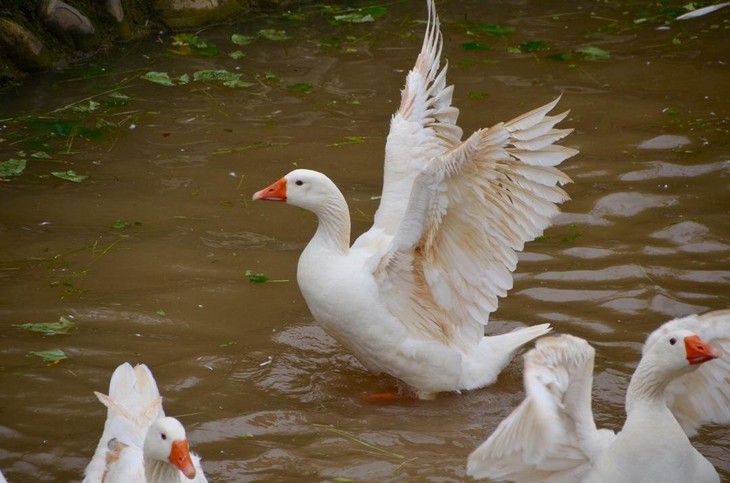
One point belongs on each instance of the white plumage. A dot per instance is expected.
(139, 444)
(412, 295)
(552, 437)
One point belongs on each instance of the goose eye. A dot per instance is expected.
(672, 341)
(163, 436)
(299, 182)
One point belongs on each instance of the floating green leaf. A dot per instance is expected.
(273, 34)
(242, 40)
(40, 155)
(69, 175)
(477, 96)
(593, 53)
(161, 78)
(192, 44)
(256, 277)
(161, 313)
(12, 167)
(52, 356)
(562, 57)
(474, 46)
(349, 140)
(260, 278)
(302, 86)
(91, 106)
(183, 79)
(63, 326)
(491, 29)
(362, 15)
(229, 79)
(237, 55)
(120, 224)
(532, 46)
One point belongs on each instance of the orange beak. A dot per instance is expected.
(698, 351)
(275, 192)
(180, 457)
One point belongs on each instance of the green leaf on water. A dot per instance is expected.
(161, 313)
(256, 277)
(562, 57)
(40, 155)
(273, 34)
(302, 87)
(91, 106)
(242, 40)
(229, 79)
(491, 29)
(161, 78)
(532, 46)
(593, 53)
(477, 96)
(237, 55)
(183, 79)
(362, 15)
(474, 46)
(63, 326)
(192, 44)
(12, 167)
(52, 356)
(348, 140)
(69, 175)
(120, 224)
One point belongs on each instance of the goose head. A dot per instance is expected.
(304, 188)
(679, 351)
(166, 441)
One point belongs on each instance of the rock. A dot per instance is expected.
(23, 47)
(62, 19)
(181, 14)
(114, 8)
(116, 12)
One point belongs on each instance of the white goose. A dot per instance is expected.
(412, 295)
(551, 436)
(139, 444)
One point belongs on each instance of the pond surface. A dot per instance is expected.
(148, 255)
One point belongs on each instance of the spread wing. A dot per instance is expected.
(132, 404)
(423, 127)
(551, 436)
(470, 211)
(702, 396)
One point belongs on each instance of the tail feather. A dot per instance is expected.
(484, 363)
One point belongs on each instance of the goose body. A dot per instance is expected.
(680, 383)
(412, 295)
(139, 444)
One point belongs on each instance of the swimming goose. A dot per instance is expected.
(139, 444)
(412, 295)
(678, 385)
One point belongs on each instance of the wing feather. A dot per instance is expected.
(470, 211)
(424, 126)
(702, 396)
(551, 435)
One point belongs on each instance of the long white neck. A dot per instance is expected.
(156, 471)
(333, 231)
(646, 387)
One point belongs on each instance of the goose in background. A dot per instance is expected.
(139, 444)
(681, 382)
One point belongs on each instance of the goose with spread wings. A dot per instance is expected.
(412, 295)
(139, 444)
(681, 382)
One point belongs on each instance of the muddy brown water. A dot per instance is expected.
(264, 393)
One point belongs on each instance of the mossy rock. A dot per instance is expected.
(187, 14)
